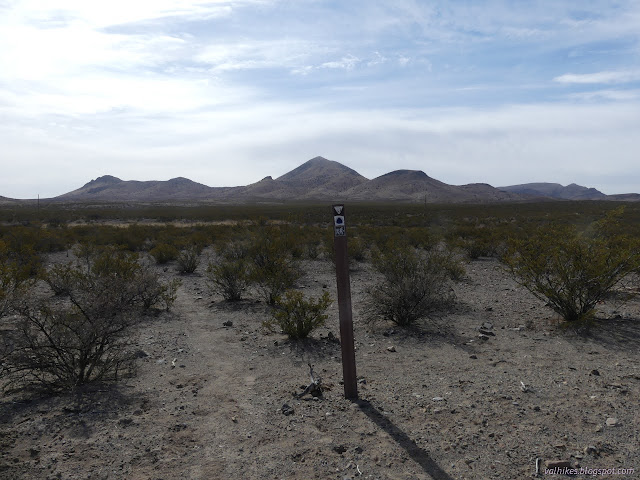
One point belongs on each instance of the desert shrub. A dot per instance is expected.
(273, 269)
(230, 276)
(60, 348)
(572, 272)
(164, 253)
(313, 250)
(476, 240)
(188, 259)
(356, 249)
(85, 334)
(14, 279)
(414, 285)
(296, 316)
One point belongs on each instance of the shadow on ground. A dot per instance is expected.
(615, 334)
(417, 454)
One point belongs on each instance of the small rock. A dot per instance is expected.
(228, 323)
(611, 422)
(590, 450)
(487, 325)
(482, 336)
(287, 409)
(487, 332)
(437, 399)
(391, 349)
(475, 357)
(598, 428)
(595, 372)
(339, 449)
(234, 419)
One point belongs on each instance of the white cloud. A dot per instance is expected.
(348, 62)
(607, 77)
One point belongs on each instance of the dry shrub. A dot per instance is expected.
(414, 285)
(84, 333)
(573, 272)
(296, 316)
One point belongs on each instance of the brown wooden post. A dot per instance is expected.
(344, 303)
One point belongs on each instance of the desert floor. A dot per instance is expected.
(435, 402)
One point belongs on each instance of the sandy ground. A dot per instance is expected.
(443, 403)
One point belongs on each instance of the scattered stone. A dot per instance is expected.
(475, 357)
(487, 326)
(482, 336)
(228, 323)
(287, 409)
(437, 399)
(611, 422)
(487, 332)
(391, 348)
(557, 464)
(339, 449)
(234, 419)
(590, 450)
(599, 428)
(141, 354)
(595, 372)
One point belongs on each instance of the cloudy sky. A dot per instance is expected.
(228, 92)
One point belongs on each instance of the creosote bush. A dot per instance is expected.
(296, 316)
(273, 269)
(14, 279)
(415, 284)
(188, 259)
(84, 334)
(229, 277)
(164, 253)
(573, 272)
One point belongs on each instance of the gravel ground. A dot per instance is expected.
(443, 401)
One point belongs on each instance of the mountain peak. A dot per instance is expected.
(105, 179)
(407, 173)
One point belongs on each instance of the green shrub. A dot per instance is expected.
(414, 285)
(164, 253)
(85, 334)
(572, 272)
(230, 276)
(273, 269)
(188, 260)
(14, 279)
(296, 316)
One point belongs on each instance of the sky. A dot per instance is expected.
(228, 92)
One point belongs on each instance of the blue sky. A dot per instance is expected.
(228, 92)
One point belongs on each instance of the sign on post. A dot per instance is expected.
(344, 302)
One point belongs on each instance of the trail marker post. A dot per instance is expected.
(344, 302)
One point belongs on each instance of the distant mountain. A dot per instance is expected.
(319, 177)
(323, 180)
(417, 186)
(625, 197)
(109, 188)
(316, 179)
(555, 190)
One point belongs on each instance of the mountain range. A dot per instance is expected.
(320, 179)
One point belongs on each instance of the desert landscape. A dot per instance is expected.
(493, 386)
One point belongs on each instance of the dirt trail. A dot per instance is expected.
(443, 403)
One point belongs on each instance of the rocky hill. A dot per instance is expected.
(555, 190)
(320, 179)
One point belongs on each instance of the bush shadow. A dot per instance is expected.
(621, 334)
